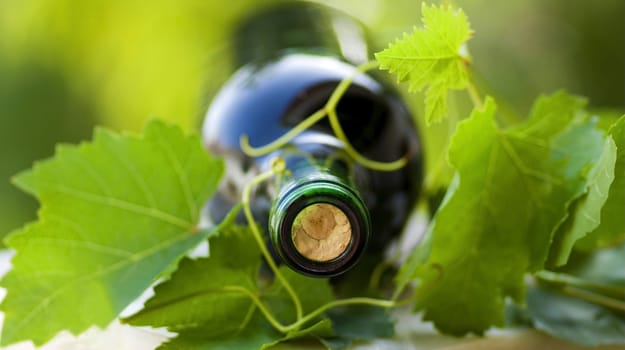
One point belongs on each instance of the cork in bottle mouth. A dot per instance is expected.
(321, 232)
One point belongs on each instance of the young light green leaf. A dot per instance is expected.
(206, 294)
(115, 213)
(432, 57)
(513, 189)
(612, 226)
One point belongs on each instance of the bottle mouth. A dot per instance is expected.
(321, 232)
(320, 228)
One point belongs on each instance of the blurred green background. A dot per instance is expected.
(68, 65)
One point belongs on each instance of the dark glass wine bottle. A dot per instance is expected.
(327, 210)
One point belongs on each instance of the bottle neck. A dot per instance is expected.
(318, 223)
(300, 27)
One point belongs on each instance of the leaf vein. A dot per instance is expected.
(125, 205)
(134, 174)
(182, 179)
(91, 276)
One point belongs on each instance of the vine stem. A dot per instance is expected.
(565, 279)
(282, 140)
(441, 161)
(336, 303)
(474, 94)
(310, 316)
(261, 306)
(586, 290)
(261, 243)
(329, 110)
(382, 166)
(340, 90)
(594, 298)
(378, 272)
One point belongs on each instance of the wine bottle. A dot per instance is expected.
(327, 209)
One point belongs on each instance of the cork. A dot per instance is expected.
(321, 232)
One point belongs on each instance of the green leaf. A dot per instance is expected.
(199, 303)
(513, 189)
(115, 213)
(578, 302)
(198, 296)
(573, 319)
(432, 57)
(586, 210)
(204, 302)
(612, 226)
(256, 335)
(362, 322)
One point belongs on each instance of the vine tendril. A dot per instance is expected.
(245, 201)
(329, 110)
(278, 167)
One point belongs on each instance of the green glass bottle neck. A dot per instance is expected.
(302, 27)
(319, 223)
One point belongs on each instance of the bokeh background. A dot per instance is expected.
(69, 65)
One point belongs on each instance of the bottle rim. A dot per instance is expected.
(304, 195)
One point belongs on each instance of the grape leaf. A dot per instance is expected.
(362, 322)
(115, 213)
(197, 295)
(573, 319)
(432, 56)
(586, 210)
(203, 301)
(612, 226)
(555, 307)
(513, 190)
(257, 334)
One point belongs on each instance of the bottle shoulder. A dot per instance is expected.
(265, 100)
